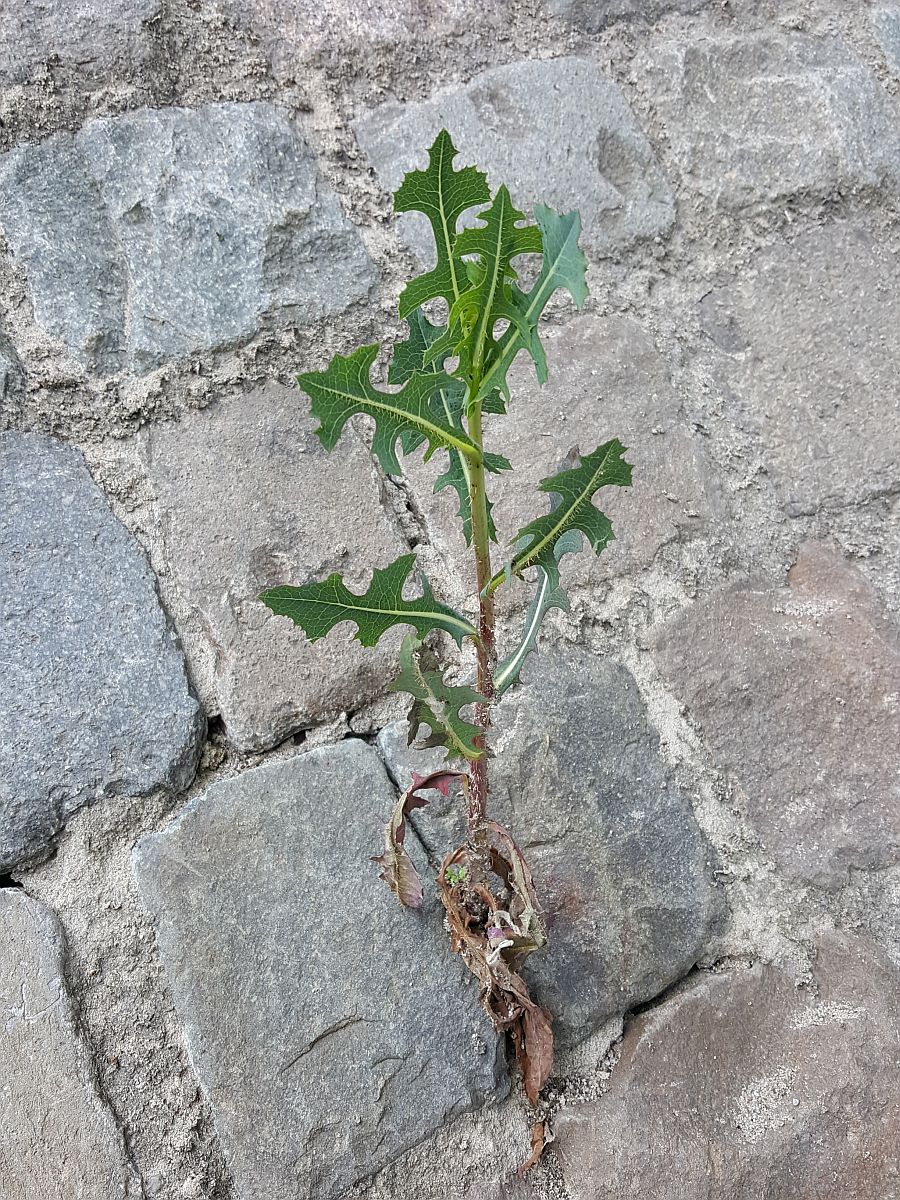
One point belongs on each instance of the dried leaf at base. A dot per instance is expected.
(397, 868)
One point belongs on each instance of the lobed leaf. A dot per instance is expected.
(457, 476)
(489, 299)
(409, 357)
(436, 703)
(318, 607)
(547, 595)
(443, 195)
(575, 488)
(345, 388)
(564, 266)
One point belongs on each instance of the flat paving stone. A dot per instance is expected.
(745, 1084)
(97, 38)
(598, 159)
(57, 1136)
(55, 225)
(795, 690)
(764, 118)
(94, 697)
(606, 379)
(330, 1028)
(199, 224)
(620, 864)
(810, 363)
(251, 499)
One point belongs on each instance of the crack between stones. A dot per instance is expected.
(405, 506)
(387, 769)
(838, 507)
(728, 964)
(83, 1030)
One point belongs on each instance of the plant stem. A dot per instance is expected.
(476, 816)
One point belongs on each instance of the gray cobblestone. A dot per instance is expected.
(94, 699)
(500, 120)
(162, 233)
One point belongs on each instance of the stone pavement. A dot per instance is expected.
(213, 993)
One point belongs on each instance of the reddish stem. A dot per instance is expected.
(478, 791)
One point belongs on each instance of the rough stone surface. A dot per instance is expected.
(52, 218)
(796, 691)
(188, 226)
(810, 364)
(606, 380)
(10, 368)
(94, 36)
(57, 1137)
(94, 700)
(771, 117)
(872, 903)
(330, 1028)
(619, 862)
(500, 120)
(250, 500)
(295, 31)
(594, 15)
(746, 1085)
(886, 26)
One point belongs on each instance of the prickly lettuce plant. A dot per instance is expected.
(443, 381)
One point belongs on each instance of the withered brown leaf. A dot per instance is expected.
(508, 863)
(397, 868)
(495, 960)
(535, 1052)
(541, 1137)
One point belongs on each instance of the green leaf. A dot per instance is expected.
(409, 357)
(457, 477)
(564, 266)
(443, 195)
(318, 607)
(489, 298)
(547, 594)
(421, 353)
(436, 703)
(564, 262)
(346, 388)
(536, 542)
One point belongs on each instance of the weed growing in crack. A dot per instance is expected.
(445, 379)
